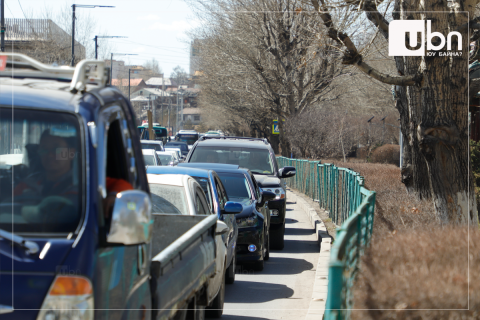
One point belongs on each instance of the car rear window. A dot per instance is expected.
(168, 199)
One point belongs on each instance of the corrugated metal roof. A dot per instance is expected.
(151, 91)
(158, 81)
(133, 82)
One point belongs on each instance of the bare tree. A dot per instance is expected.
(432, 99)
(179, 75)
(153, 66)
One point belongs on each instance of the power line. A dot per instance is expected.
(22, 9)
(9, 9)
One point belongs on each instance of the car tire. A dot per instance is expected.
(216, 309)
(267, 246)
(230, 274)
(278, 241)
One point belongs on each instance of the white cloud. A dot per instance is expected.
(149, 17)
(179, 25)
(139, 49)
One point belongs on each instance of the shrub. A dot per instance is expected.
(388, 153)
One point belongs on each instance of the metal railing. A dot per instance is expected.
(341, 193)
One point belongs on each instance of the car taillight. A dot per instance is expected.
(70, 297)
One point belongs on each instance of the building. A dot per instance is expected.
(118, 70)
(135, 84)
(193, 115)
(195, 47)
(158, 82)
(42, 40)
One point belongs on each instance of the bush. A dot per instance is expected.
(388, 153)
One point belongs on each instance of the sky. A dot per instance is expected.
(155, 28)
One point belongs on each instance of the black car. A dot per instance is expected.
(178, 144)
(253, 242)
(256, 155)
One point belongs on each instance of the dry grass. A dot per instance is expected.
(413, 262)
(426, 269)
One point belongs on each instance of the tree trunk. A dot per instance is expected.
(435, 126)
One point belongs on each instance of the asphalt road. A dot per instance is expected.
(283, 289)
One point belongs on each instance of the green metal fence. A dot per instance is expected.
(341, 193)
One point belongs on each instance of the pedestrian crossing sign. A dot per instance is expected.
(275, 128)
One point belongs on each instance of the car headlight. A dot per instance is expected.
(247, 222)
(70, 297)
(279, 192)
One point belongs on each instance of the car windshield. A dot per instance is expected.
(149, 160)
(256, 160)
(165, 158)
(236, 185)
(181, 146)
(160, 132)
(154, 146)
(168, 199)
(190, 139)
(40, 171)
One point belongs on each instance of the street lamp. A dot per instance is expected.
(73, 23)
(102, 37)
(111, 62)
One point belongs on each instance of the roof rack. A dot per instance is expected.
(264, 140)
(80, 75)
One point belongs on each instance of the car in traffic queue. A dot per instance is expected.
(177, 152)
(151, 158)
(183, 194)
(256, 155)
(216, 198)
(167, 158)
(188, 136)
(253, 244)
(183, 146)
(152, 144)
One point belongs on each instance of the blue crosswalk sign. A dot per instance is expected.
(275, 128)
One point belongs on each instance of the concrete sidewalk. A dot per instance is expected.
(319, 294)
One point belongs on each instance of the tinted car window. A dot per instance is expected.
(149, 160)
(153, 146)
(168, 199)
(165, 159)
(40, 171)
(257, 160)
(182, 146)
(205, 184)
(236, 185)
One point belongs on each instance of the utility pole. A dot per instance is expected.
(2, 26)
(154, 107)
(129, 84)
(102, 37)
(73, 25)
(111, 62)
(168, 112)
(181, 112)
(163, 98)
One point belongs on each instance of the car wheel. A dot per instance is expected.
(230, 274)
(267, 246)
(216, 309)
(278, 241)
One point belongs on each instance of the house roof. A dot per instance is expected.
(191, 111)
(150, 91)
(124, 83)
(158, 81)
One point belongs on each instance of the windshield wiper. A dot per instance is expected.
(29, 246)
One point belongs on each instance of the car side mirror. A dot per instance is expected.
(131, 218)
(232, 207)
(222, 228)
(287, 172)
(267, 196)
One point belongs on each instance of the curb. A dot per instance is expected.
(320, 287)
